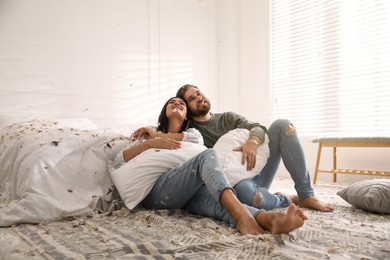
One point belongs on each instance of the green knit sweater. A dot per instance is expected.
(220, 124)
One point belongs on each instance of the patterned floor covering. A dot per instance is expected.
(347, 233)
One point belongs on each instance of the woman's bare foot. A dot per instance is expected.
(247, 224)
(312, 202)
(282, 222)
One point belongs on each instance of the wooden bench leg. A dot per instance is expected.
(317, 162)
(334, 164)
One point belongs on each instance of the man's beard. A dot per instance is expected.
(202, 110)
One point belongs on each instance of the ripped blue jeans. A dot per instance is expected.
(195, 185)
(284, 145)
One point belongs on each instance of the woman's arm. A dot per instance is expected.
(151, 133)
(138, 146)
(193, 135)
(190, 135)
(132, 152)
(159, 143)
(175, 136)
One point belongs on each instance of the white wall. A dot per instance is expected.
(243, 59)
(112, 61)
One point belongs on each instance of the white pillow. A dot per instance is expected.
(231, 160)
(136, 178)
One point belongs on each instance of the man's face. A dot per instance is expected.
(197, 102)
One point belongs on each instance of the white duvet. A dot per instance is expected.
(48, 172)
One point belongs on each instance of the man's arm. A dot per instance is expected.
(256, 138)
(257, 133)
(255, 129)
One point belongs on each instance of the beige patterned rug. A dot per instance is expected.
(347, 233)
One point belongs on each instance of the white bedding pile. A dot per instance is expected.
(48, 172)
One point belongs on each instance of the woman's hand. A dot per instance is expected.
(163, 143)
(147, 132)
(156, 143)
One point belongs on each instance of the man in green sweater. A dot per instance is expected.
(283, 143)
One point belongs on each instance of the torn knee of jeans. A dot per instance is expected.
(257, 199)
(290, 130)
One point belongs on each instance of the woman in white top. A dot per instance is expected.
(199, 184)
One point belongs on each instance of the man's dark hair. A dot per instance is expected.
(180, 94)
(183, 89)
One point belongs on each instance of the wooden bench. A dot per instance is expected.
(335, 142)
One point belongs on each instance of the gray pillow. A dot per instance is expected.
(370, 195)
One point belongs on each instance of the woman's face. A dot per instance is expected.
(176, 108)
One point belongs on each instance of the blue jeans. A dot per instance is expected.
(284, 144)
(196, 185)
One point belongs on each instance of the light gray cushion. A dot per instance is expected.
(370, 195)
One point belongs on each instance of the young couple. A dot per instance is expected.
(283, 144)
(199, 184)
(202, 187)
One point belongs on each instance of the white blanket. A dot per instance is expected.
(48, 172)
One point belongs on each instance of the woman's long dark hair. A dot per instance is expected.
(162, 124)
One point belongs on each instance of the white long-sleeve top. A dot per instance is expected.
(191, 135)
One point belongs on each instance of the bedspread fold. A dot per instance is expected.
(48, 172)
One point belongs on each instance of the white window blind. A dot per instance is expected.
(330, 65)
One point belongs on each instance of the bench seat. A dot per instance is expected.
(334, 142)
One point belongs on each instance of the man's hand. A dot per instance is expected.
(248, 150)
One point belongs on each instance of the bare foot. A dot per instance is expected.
(247, 224)
(312, 202)
(294, 199)
(282, 222)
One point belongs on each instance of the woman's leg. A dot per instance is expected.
(275, 222)
(245, 222)
(204, 204)
(176, 187)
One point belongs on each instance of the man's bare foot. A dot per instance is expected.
(282, 222)
(312, 202)
(294, 199)
(247, 224)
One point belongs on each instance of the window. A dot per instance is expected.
(330, 65)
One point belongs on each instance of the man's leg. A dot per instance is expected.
(284, 143)
(248, 192)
